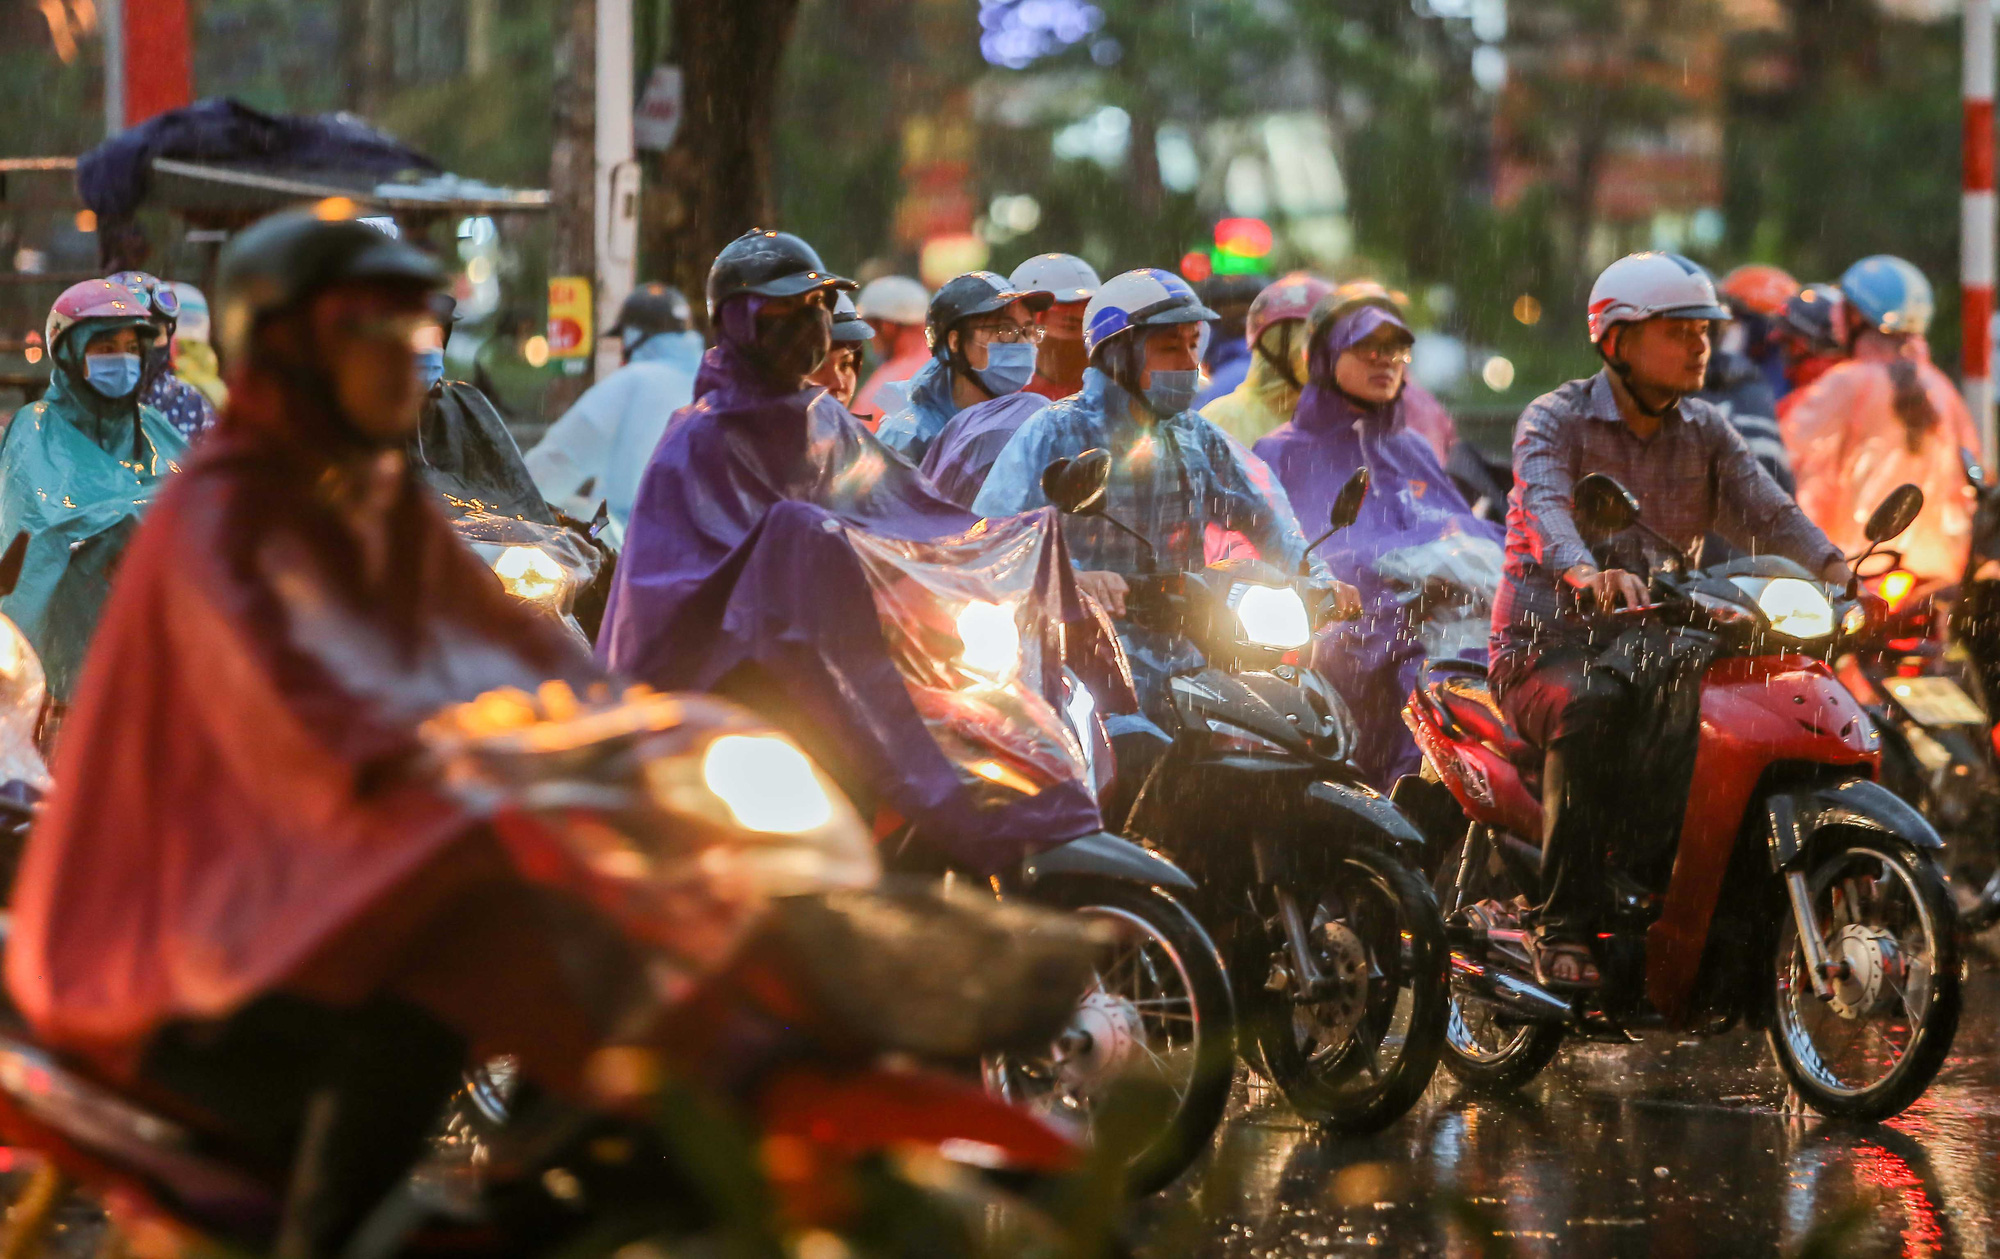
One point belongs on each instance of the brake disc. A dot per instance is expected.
(1104, 1038)
(1341, 1001)
(1868, 970)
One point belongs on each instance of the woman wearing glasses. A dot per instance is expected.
(1426, 567)
(983, 335)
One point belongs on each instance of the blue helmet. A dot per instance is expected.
(1148, 297)
(1889, 294)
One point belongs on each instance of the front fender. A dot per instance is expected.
(1366, 816)
(1797, 816)
(1106, 856)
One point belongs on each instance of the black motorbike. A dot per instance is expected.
(1931, 677)
(1308, 878)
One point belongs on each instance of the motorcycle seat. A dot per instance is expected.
(1462, 693)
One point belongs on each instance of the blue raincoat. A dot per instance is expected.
(1180, 481)
(964, 451)
(598, 449)
(777, 548)
(76, 472)
(1415, 541)
(910, 430)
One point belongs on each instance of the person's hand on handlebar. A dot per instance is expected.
(1109, 589)
(1608, 588)
(1345, 603)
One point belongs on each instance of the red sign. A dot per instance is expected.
(159, 73)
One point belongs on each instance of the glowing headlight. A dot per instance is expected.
(1855, 621)
(992, 640)
(529, 572)
(768, 784)
(1272, 616)
(1794, 607)
(14, 651)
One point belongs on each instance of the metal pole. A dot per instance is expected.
(617, 233)
(1976, 246)
(111, 13)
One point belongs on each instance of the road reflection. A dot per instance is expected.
(1674, 1147)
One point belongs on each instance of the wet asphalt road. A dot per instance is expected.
(1674, 1147)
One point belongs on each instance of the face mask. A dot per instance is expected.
(113, 375)
(792, 348)
(1008, 369)
(1171, 392)
(430, 367)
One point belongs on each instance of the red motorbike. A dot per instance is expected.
(1803, 897)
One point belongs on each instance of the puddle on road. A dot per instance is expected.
(1673, 1147)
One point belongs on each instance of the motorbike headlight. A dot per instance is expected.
(992, 639)
(1272, 616)
(1794, 607)
(529, 572)
(767, 782)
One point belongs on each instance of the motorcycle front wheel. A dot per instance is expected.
(1158, 1012)
(1358, 1053)
(1887, 924)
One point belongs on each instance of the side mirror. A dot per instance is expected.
(1602, 505)
(1896, 513)
(1076, 486)
(10, 563)
(1347, 504)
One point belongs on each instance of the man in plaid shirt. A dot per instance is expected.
(1693, 474)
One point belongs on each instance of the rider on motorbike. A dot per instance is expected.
(1566, 694)
(239, 896)
(1426, 566)
(767, 526)
(984, 335)
(1886, 417)
(1276, 331)
(1070, 282)
(1176, 479)
(78, 468)
(185, 407)
(462, 446)
(841, 373)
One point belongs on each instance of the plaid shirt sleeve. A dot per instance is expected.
(1755, 512)
(1542, 461)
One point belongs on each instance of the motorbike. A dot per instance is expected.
(1931, 676)
(554, 569)
(1335, 946)
(715, 845)
(1803, 896)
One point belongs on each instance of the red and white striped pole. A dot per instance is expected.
(1976, 221)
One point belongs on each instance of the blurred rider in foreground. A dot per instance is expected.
(78, 468)
(1577, 697)
(984, 334)
(241, 895)
(1886, 417)
(1426, 567)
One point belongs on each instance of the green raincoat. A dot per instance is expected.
(76, 472)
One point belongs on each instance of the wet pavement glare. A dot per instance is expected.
(1676, 1146)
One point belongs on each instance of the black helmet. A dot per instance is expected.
(283, 260)
(651, 308)
(975, 293)
(771, 264)
(849, 328)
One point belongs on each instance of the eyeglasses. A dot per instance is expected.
(1393, 352)
(1011, 334)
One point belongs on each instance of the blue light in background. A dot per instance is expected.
(1017, 33)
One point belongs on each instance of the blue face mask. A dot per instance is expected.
(1170, 393)
(430, 367)
(113, 375)
(1008, 369)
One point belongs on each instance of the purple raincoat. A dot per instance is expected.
(964, 451)
(1415, 530)
(779, 552)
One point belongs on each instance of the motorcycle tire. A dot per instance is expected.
(1877, 979)
(1164, 932)
(1328, 1087)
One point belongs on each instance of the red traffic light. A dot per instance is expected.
(1249, 238)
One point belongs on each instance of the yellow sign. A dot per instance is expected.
(569, 317)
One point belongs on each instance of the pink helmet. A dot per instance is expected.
(1288, 297)
(93, 299)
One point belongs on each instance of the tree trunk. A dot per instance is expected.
(716, 181)
(573, 173)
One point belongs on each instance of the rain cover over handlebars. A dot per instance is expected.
(780, 552)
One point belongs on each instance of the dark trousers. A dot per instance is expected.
(1579, 716)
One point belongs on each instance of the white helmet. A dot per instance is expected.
(1646, 286)
(894, 299)
(1144, 298)
(194, 322)
(1065, 277)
